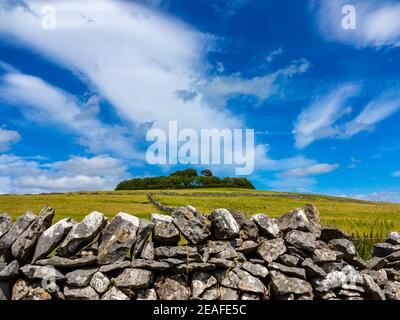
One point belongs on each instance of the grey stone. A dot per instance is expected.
(5, 290)
(118, 238)
(380, 276)
(15, 231)
(51, 238)
(172, 288)
(290, 271)
(164, 231)
(222, 263)
(382, 250)
(301, 240)
(146, 294)
(255, 269)
(257, 261)
(329, 233)
(393, 238)
(10, 271)
(150, 264)
(148, 251)
(100, 282)
(314, 219)
(284, 285)
(242, 280)
(211, 294)
(143, 234)
(395, 256)
(80, 277)
(228, 294)
(267, 226)
(22, 290)
(195, 266)
(177, 252)
(41, 272)
(324, 255)
(228, 253)
(289, 260)
(5, 223)
(331, 266)
(114, 294)
(72, 262)
(343, 245)
(248, 229)
(294, 220)
(23, 247)
(82, 234)
(134, 279)
(115, 266)
(270, 250)
(376, 263)
(249, 296)
(392, 290)
(372, 288)
(312, 270)
(348, 278)
(202, 281)
(223, 224)
(85, 293)
(192, 229)
(247, 246)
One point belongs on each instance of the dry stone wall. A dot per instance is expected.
(227, 257)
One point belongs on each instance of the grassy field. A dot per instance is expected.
(367, 222)
(353, 216)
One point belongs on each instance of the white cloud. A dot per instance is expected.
(44, 104)
(227, 8)
(377, 110)
(219, 89)
(377, 22)
(134, 57)
(382, 196)
(396, 174)
(18, 175)
(320, 119)
(273, 54)
(316, 121)
(8, 137)
(313, 170)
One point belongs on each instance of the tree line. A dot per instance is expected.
(185, 179)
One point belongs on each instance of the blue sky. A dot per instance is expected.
(76, 101)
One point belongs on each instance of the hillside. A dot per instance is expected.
(354, 216)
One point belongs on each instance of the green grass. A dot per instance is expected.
(353, 216)
(367, 222)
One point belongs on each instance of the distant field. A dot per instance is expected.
(353, 216)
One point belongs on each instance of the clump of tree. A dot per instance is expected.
(185, 179)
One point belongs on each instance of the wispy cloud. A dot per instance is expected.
(227, 8)
(218, 90)
(377, 22)
(43, 103)
(320, 119)
(313, 170)
(8, 137)
(382, 196)
(18, 175)
(317, 121)
(137, 65)
(273, 54)
(396, 174)
(377, 110)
